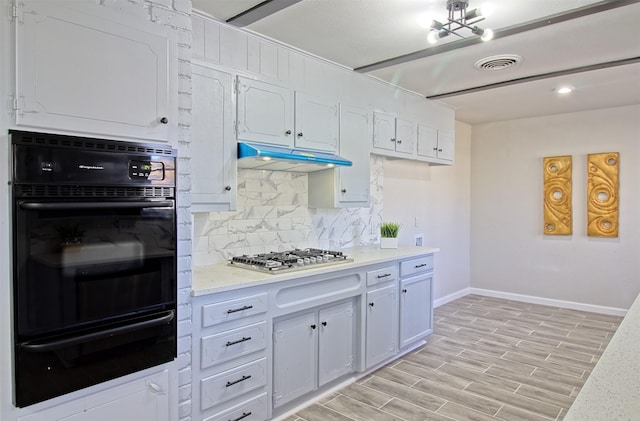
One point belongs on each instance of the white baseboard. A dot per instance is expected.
(451, 297)
(547, 301)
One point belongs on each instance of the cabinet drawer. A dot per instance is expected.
(232, 383)
(232, 344)
(417, 265)
(225, 311)
(254, 409)
(389, 273)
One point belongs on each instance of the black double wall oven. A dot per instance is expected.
(94, 261)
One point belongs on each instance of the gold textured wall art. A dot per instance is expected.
(557, 195)
(602, 194)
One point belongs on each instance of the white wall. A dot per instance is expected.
(440, 198)
(509, 252)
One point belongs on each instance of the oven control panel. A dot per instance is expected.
(146, 170)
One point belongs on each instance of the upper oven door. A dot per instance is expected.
(81, 262)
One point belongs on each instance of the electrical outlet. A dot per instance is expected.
(419, 240)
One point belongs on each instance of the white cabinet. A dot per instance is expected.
(213, 148)
(393, 136)
(143, 399)
(435, 146)
(416, 301)
(382, 324)
(415, 309)
(83, 68)
(265, 114)
(346, 186)
(230, 362)
(312, 349)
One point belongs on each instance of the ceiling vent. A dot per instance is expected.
(501, 62)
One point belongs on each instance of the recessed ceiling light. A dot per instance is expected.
(565, 89)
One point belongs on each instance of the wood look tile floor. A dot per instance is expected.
(488, 359)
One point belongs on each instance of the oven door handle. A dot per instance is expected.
(166, 317)
(95, 205)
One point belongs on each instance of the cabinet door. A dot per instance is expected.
(316, 122)
(81, 69)
(265, 112)
(213, 149)
(382, 324)
(143, 399)
(446, 146)
(405, 136)
(355, 135)
(336, 342)
(295, 344)
(415, 309)
(384, 132)
(427, 142)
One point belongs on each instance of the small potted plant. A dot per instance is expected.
(389, 235)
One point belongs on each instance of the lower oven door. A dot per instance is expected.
(56, 365)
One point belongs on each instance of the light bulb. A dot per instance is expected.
(266, 158)
(487, 35)
(487, 9)
(432, 38)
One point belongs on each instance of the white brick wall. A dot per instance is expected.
(176, 15)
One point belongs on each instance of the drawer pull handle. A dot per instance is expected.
(235, 310)
(383, 276)
(239, 341)
(238, 381)
(244, 415)
(422, 265)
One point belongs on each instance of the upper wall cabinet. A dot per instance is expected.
(213, 148)
(84, 68)
(346, 186)
(435, 146)
(265, 114)
(393, 136)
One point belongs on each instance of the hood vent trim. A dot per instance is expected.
(280, 158)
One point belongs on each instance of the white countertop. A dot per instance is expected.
(224, 277)
(612, 391)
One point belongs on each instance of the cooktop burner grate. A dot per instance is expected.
(290, 260)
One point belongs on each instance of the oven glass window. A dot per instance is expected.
(81, 262)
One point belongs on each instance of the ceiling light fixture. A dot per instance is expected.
(566, 89)
(458, 19)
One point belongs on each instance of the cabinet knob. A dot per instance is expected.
(228, 188)
(393, 139)
(312, 326)
(300, 134)
(371, 304)
(343, 190)
(404, 290)
(399, 141)
(324, 323)
(435, 149)
(164, 120)
(439, 150)
(288, 132)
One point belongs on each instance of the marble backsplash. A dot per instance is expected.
(273, 214)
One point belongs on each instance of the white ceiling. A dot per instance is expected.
(357, 33)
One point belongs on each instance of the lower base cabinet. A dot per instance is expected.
(415, 309)
(382, 324)
(312, 349)
(143, 399)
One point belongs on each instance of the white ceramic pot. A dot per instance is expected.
(388, 243)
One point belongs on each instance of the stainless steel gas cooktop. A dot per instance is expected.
(290, 260)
